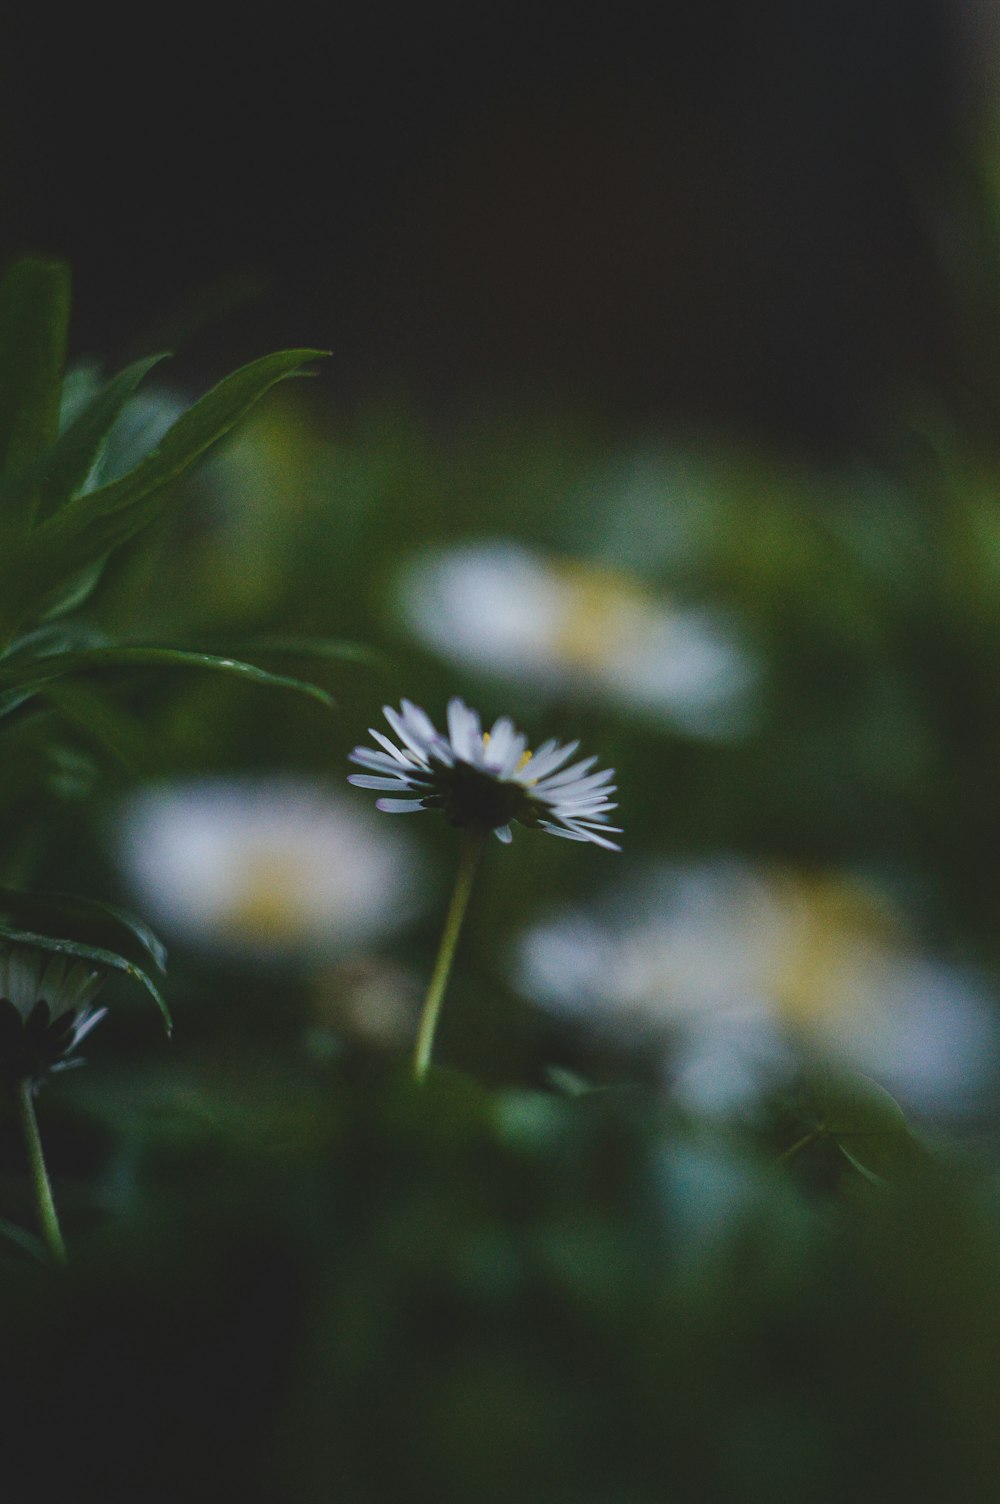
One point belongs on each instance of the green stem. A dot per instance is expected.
(802, 1143)
(40, 1175)
(472, 845)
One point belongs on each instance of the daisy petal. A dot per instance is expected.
(367, 781)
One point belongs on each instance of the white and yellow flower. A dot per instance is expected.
(743, 971)
(263, 866)
(500, 608)
(486, 780)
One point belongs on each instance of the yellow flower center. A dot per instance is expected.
(602, 609)
(267, 902)
(836, 929)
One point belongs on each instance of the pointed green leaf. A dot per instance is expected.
(87, 920)
(100, 956)
(35, 673)
(61, 469)
(90, 526)
(329, 649)
(87, 527)
(34, 317)
(74, 454)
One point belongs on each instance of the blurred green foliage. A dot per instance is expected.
(294, 1275)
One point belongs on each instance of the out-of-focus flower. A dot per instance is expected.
(366, 997)
(486, 780)
(266, 867)
(742, 972)
(564, 624)
(45, 1009)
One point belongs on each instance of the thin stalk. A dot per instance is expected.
(802, 1143)
(472, 845)
(39, 1175)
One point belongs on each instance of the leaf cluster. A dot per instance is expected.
(60, 520)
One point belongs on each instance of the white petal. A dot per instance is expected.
(598, 839)
(504, 833)
(390, 747)
(419, 721)
(406, 732)
(366, 781)
(568, 775)
(547, 759)
(398, 806)
(465, 731)
(85, 1025)
(584, 785)
(379, 763)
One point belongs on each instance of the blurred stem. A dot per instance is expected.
(39, 1174)
(803, 1142)
(472, 845)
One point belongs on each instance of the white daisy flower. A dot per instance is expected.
(498, 607)
(266, 867)
(486, 780)
(45, 1009)
(742, 971)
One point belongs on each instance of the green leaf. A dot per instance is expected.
(108, 725)
(97, 954)
(35, 673)
(328, 649)
(26, 1241)
(74, 454)
(56, 474)
(88, 527)
(88, 920)
(34, 317)
(867, 1124)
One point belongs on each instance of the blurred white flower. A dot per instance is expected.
(267, 867)
(497, 606)
(743, 971)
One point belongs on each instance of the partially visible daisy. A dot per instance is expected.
(45, 1010)
(271, 868)
(740, 972)
(482, 781)
(564, 623)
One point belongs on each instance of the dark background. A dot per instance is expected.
(741, 212)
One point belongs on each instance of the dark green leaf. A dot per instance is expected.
(107, 724)
(56, 474)
(35, 673)
(89, 527)
(867, 1124)
(24, 1240)
(75, 452)
(34, 316)
(329, 649)
(97, 954)
(88, 920)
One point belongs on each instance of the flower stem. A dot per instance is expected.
(802, 1143)
(472, 845)
(40, 1175)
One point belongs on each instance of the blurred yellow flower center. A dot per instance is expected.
(601, 609)
(267, 899)
(835, 927)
